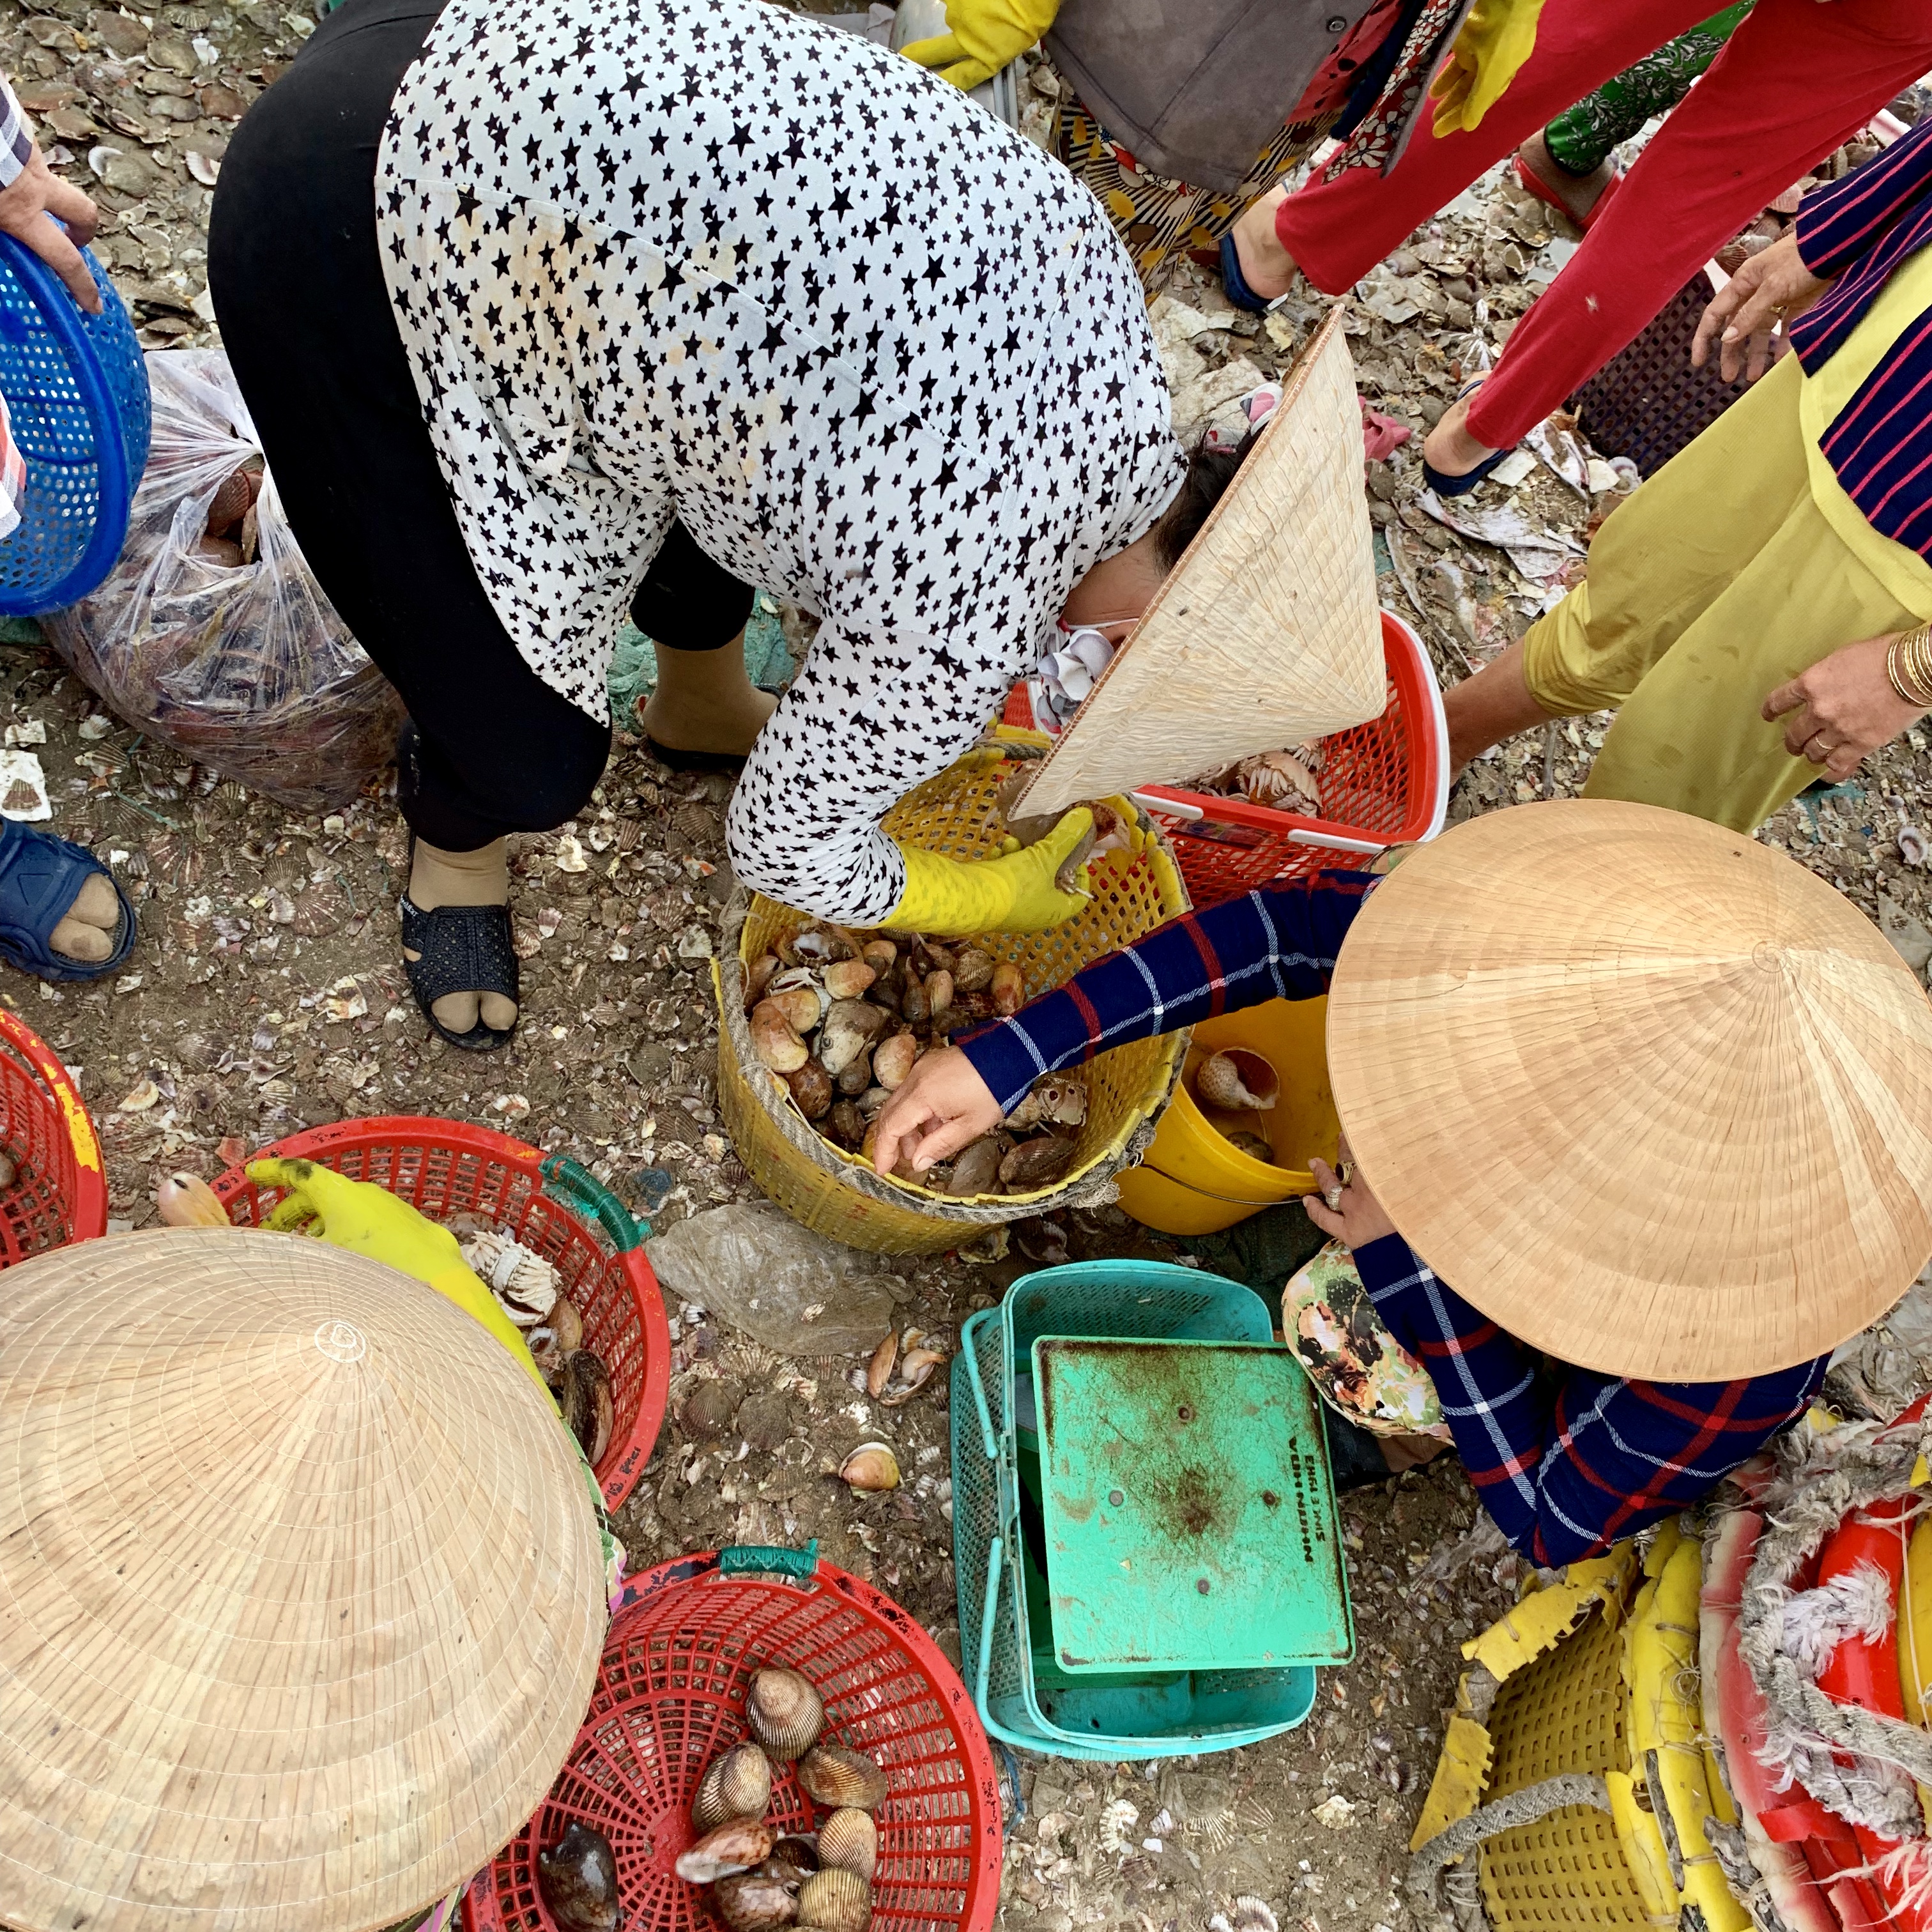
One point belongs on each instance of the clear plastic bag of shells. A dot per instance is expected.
(820, 1022)
(210, 633)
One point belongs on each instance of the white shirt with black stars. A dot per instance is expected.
(710, 259)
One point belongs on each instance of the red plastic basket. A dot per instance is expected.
(1384, 783)
(670, 1697)
(550, 1204)
(60, 1194)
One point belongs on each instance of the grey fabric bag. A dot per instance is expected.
(1195, 89)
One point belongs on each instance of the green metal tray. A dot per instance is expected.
(1190, 1519)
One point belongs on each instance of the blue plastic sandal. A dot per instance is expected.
(40, 877)
(1235, 284)
(1461, 486)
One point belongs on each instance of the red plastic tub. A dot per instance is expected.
(1384, 783)
(670, 1697)
(60, 1193)
(551, 1205)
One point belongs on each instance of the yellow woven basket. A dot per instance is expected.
(839, 1194)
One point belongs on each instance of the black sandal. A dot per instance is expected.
(730, 762)
(463, 949)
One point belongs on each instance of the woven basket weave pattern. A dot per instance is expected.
(837, 1194)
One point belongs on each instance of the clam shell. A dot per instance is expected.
(775, 1040)
(1036, 1163)
(833, 1775)
(584, 1394)
(1008, 989)
(758, 976)
(892, 1059)
(784, 1713)
(879, 1372)
(848, 1841)
(975, 1168)
(751, 1902)
(811, 1087)
(973, 971)
(846, 1124)
(737, 1785)
(735, 1845)
(793, 1860)
(841, 1901)
(849, 1025)
(939, 993)
(1236, 1079)
(847, 979)
(870, 1466)
(577, 1879)
(799, 996)
(185, 1200)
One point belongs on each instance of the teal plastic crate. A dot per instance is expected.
(1024, 1697)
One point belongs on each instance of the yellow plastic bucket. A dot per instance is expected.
(1193, 1180)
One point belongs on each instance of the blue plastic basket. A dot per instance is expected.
(77, 392)
(1022, 1698)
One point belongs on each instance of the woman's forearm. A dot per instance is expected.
(1280, 942)
(1567, 1461)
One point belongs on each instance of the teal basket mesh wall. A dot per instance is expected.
(1022, 1698)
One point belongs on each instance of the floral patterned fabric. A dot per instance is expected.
(1358, 1366)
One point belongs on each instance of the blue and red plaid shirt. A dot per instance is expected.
(1566, 1460)
(1858, 230)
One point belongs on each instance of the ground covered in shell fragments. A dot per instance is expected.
(267, 995)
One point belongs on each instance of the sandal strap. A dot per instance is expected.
(39, 876)
(464, 949)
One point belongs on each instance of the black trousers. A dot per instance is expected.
(298, 288)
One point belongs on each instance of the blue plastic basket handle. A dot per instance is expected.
(988, 1435)
(765, 1559)
(982, 1677)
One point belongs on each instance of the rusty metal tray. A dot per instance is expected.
(1190, 1518)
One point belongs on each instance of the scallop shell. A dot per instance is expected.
(973, 971)
(753, 1902)
(784, 1712)
(848, 1841)
(1236, 1079)
(841, 1901)
(735, 1845)
(835, 1776)
(738, 1785)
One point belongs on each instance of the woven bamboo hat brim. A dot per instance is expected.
(300, 1589)
(1649, 1094)
(1266, 633)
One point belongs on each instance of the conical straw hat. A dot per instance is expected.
(1266, 634)
(301, 1590)
(1651, 1096)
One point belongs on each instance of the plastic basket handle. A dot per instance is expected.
(581, 1188)
(764, 1559)
(971, 1355)
(989, 1609)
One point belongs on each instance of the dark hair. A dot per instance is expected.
(1209, 473)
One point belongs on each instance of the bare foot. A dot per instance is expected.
(1267, 267)
(482, 877)
(1578, 193)
(1449, 448)
(86, 932)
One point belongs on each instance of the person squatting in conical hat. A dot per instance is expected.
(546, 311)
(1652, 1097)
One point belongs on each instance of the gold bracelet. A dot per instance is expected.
(1908, 667)
(1917, 656)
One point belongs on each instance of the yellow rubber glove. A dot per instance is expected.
(1498, 37)
(369, 1220)
(986, 35)
(1014, 893)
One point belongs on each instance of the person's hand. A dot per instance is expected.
(1774, 286)
(984, 36)
(940, 1106)
(1026, 891)
(25, 204)
(1841, 708)
(1358, 1218)
(369, 1220)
